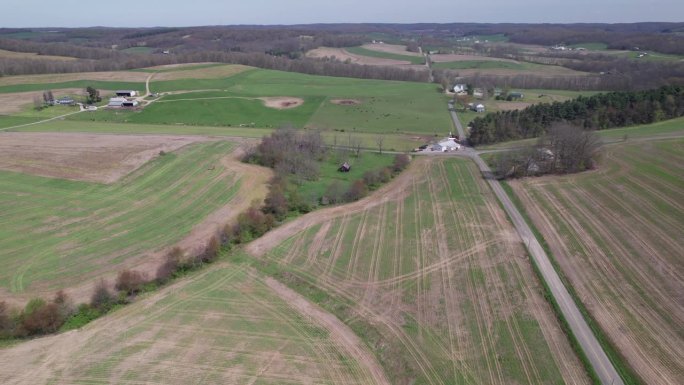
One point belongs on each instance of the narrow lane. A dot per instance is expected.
(584, 335)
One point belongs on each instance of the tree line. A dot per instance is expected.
(597, 112)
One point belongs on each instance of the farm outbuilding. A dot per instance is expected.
(116, 102)
(130, 103)
(127, 93)
(345, 167)
(67, 101)
(449, 145)
(516, 95)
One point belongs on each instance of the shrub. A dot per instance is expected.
(334, 193)
(276, 202)
(385, 175)
(401, 161)
(6, 321)
(252, 223)
(102, 299)
(371, 178)
(212, 250)
(356, 191)
(130, 281)
(41, 318)
(170, 265)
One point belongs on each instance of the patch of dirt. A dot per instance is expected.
(510, 106)
(343, 55)
(443, 58)
(202, 73)
(115, 76)
(346, 102)
(85, 157)
(391, 48)
(282, 102)
(34, 56)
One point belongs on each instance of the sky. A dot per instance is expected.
(177, 13)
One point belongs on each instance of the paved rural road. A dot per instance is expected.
(590, 345)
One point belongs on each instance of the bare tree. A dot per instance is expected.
(356, 145)
(380, 140)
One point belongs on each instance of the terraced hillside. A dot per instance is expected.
(432, 275)
(617, 235)
(223, 326)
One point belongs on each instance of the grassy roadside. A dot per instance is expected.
(628, 375)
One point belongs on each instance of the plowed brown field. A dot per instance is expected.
(617, 234)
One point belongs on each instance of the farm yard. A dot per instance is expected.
(431, 274)
(616, 234)
(59, 233)
(223, 325)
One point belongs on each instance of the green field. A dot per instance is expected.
(385, 106)
(385, 55)
(432, 278)
(56, 233)
(616, 234)
(591, 46)
(672, 127)
(222, 326)
(483, 64)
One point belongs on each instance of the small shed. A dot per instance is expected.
(127, 93)
(516, 95)
(480, 108)
(345, 167)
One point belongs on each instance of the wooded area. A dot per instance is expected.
(598, 112)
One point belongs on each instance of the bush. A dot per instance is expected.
(102, 299)
(212, 250)
(334, 193)
(276, 202)
(401, 161)
(385, 175)
(356, 191)
(84, 314)
(6, 321)
(130, 281)
(41, 318)
(166, 270)
(371, 178)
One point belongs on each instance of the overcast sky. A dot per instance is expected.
(144, 13)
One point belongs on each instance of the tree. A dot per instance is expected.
(356, 191)
(102, 299)
(93, 95)
(355, 144)
(170, 265)
(130, 281)
(38, 103)
(380, 140)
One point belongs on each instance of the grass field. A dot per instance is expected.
(616, 234)
(56, 233)
(385, 55)
(384, 107)
(222, 326)
(485, 64)
(431, 274)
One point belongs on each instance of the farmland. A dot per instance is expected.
(430, 273)
(59, 233)
(224, 325)
(384, 107)
(616, 235)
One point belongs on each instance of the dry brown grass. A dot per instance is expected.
(86, 157)
(391, 48)
(121, 76)
(30, 55)
(201, 73)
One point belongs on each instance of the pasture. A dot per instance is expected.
(616, 234)
(58, 233)
(221, 326)
(431, 274)
(404, 57)
(384, 106)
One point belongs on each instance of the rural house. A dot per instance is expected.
(459, 88)
(477, 107)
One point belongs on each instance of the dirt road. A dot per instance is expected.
(586, 338)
